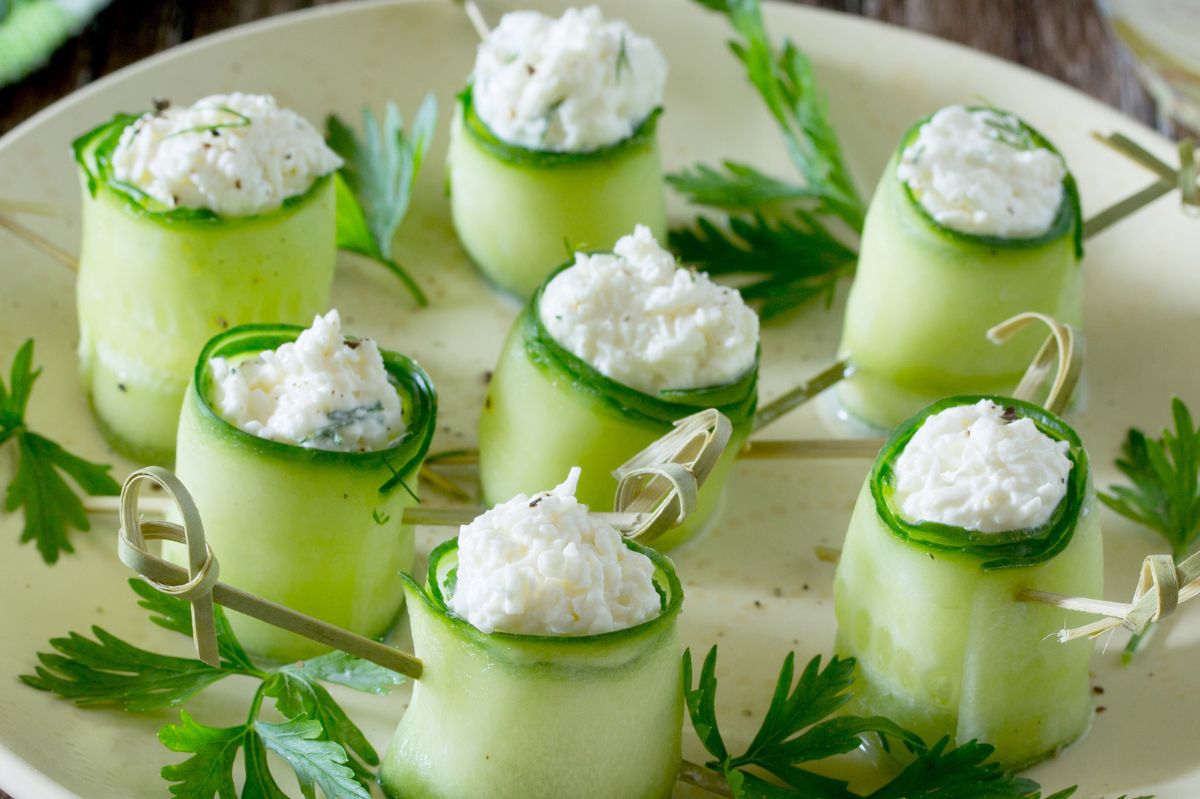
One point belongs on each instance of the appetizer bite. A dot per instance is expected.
(301, 450)
(554, 144)
(976, 219)
(195, 219)
(551, 661)
(969, 502)
(609, 352)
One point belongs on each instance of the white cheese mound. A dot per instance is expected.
(320, 392)
(979, 172)
(971, 467)
(543, 566)
(572, 84)
(235, 154)
(641, 320)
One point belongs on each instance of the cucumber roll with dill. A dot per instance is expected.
(195, 219)
(554, 144)
(975, 220)
(551, 662)
(609, 353)
(969, 502)
(301, 450)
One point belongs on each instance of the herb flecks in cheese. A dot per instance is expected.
(235, 154)
(978, 467)
(574, 84)
(640, 319)
(979, 171)
(542, 566)
(320, 392)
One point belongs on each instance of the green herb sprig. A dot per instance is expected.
(38, 488)
(374, 188)
(240, 121)
(800, 727)
(799, 234)
(316, 739)
(1165, 490)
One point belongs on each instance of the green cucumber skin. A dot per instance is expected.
(535, 426)
(519, 223)
(943, 649)
(510, 720)
(150, 294)
(922, 302)
(298, 533)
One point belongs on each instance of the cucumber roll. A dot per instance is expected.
(195, 220)
(969, 502)
(301, 449)
(554, 144)
(609, 353)
(551, 662)
(976, 219)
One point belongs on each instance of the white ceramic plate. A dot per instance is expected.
(754, 584)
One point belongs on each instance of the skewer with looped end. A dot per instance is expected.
(1062, 352)
(1162, 587)
(658, 489)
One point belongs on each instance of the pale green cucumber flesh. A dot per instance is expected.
(308, 529)
(519, 717)
(150, 294)
(943, 648)
(922, 302)
(518, 222)
(536, 425)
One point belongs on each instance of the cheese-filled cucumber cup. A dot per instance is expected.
(157, 280)
(314, 529)
(548, 409)
(929, 609)
(554, 144)
(926, 291)
(518, 211)
(518, 716)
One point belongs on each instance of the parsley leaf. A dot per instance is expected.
(1165, 495)
(754, 248)
(374, 188)
(317, 739)
(800, 243)
(1165, 473)
(799, 728)
(316, 761)
(50, 505)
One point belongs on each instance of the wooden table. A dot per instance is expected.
(1064, 39)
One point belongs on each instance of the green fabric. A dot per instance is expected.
(31, 30)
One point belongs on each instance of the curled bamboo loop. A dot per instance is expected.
(1062, 354)
(662, 482)
(1162, 587)
(203, 569)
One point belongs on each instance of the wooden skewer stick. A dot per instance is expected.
(36, 241)
(477, 19)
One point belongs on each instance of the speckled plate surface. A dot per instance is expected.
(754, 584)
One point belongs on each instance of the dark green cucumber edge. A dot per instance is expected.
(641, 138)
(406, 375)
(1009, 549)
(671, 603)
(93, 152)
(1069, 219)
(737, 400)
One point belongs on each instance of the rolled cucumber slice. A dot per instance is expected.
(929, 612)
(924, 297)
(548, 410)
(538, 717)
(519, 212)
(315, 530)
(155, 284)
